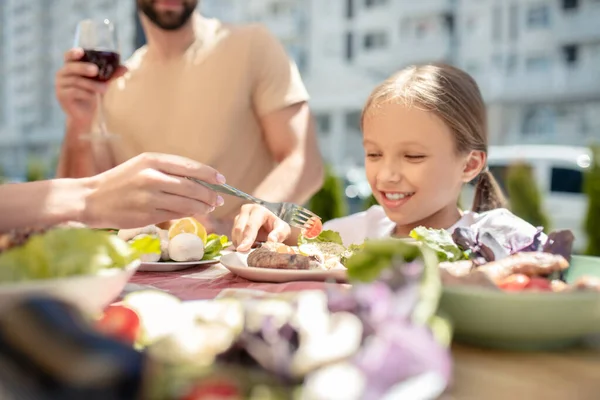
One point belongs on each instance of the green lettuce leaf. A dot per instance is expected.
(440, 241)
(324, 236)
(145, 245)
(65, 252)
(368, 264)
(215, 244)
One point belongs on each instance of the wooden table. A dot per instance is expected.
(500, 375)
(479, 374)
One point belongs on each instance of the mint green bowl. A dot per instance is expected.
(525, 321)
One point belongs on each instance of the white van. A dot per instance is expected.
(559, 173)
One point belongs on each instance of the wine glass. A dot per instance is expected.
(98, 39)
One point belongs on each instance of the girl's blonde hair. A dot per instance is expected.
(453, 95)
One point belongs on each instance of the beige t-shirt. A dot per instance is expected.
(207, 104)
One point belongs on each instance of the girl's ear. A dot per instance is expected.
(474, 164)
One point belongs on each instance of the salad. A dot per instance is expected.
(504, 258)
(186, 240)
(374, 337)
(63, 252)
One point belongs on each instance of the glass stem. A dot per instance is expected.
(101, 121)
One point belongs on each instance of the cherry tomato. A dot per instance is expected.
(314, 229)
(213, 390)
(539, 283)
(514, 283)
(120, 322)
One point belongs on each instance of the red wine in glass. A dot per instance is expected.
(107, 62)
(98, 39)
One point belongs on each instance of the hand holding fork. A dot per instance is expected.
(276, 218)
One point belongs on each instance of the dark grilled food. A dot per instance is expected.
(527, 263)
(266, 258)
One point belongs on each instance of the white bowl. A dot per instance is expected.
(90, 293)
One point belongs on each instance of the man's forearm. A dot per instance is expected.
(78, 158)
(295, 179)
(42, 203)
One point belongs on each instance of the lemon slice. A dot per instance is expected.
(188, 225)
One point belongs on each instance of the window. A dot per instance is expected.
(513, 17)
(349, 46)
(375, 40)
(571, 54)
(566, 180)
(449, 22)
(538, 17)
(471, 23)
(406, 27)
(570, 4)
(353, 121)
(497, 22)
(511, 63)
(349, 9)
(539, 121)
(538, 63)
(373, 3)
(497, 62)
(472, 67)
(323, 122)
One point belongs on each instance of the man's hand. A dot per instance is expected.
(76, 89)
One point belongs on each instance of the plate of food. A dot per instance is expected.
(185, 244)
(81, 266)
(318, 259)
(510, 289)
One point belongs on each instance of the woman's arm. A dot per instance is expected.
(147, 189)
(42, 203)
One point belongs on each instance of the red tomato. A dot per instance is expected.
(539, 283)
(120, 322)
(514, 283)
(315, 226)
(213, 390)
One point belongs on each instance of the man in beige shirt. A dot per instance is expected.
(227, 96)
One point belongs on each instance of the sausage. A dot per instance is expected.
(586, 282)
(526, 263)
(265, 258)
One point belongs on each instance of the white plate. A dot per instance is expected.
(91, 293)
(169, 266)
(238, 264)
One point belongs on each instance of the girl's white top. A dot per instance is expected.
(374, 224)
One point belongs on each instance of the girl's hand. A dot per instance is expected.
(256, 223)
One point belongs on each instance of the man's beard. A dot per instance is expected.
(168, 20)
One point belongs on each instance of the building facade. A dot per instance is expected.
(536, 61)
(34, 35)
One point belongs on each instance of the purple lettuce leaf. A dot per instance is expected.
(560, 242)
(400, 350)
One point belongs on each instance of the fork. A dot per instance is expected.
(293, 214)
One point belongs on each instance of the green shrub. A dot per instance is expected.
(524, 195)
(36, 171)
(329, 202)
(369, 202)
(592, 189)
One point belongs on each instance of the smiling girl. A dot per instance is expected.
(425, 136)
